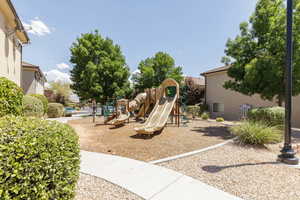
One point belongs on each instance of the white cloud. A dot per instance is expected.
(37, 27)
(74, 98)
(137, 71)
(62, 66)
(55, 75)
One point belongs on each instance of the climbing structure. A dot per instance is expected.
(166, 103)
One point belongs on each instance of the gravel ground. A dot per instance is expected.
(93, 188)
(124, 141)
(249, 173)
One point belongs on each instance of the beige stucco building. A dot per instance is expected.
(227, 103)
(33, 79)
(12, 37)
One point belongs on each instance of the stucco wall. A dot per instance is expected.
(215, 93)
(10, 55)
(29, 83)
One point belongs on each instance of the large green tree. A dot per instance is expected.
(100, 70)
(153, 71)
(257, 54)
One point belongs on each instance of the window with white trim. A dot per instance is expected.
(218, 107)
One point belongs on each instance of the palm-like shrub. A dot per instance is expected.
(55, 110)
(257, 133)
(39, 159)
(11, 98)
(32, 107)
(44, 101)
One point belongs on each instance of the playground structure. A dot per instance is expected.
(142, 102)
(166, 100)
(166, 104)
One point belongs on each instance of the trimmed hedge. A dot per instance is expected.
(39, 159)
(32, 107)
(273, 116)
(11, 98)
(55, 110)
(44, 101)
(257, 133)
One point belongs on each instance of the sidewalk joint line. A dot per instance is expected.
(164, 188)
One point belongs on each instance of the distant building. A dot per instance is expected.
(33, 79)
(12, 37)
(230, 104)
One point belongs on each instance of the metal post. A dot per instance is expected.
(287, 153)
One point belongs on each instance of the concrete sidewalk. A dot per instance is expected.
(146, 180)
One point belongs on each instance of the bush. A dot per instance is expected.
(257, 133)
(32, 107)
(39, 159)
(220, 119)
(193, 110)
(44, 101)
(273, 116)
(11, 98)
(205, 116)
(55, 110)
(204, 108)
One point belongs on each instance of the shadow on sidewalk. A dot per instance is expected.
(216, 169)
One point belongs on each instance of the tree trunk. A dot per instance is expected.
(280, 100)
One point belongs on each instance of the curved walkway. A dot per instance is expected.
(147, 180)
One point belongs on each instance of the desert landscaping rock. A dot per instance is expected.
(93, 188)
(249, 173)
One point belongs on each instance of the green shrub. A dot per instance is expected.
(55, 110)
(39, 159)
(220, 119)
(205, 116)
(11, 98)
(273, 116)
(44, 101)
(256, 133)
(204, 108)
(32, 107)
(193, 110)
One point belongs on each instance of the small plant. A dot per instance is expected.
(55, 110)
(193, 110)
(44, 101)
(32, 107)
(220, 119)
(205, 116)
(273, 116)
(39, 159)
(11, 98)
(256, 133)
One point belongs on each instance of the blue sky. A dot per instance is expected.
(194, 32)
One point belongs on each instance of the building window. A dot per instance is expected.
(218, 107)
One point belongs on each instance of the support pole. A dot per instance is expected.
(287, 153)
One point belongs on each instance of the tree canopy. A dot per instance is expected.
(154, 70)
(257, 55)
(100, 71)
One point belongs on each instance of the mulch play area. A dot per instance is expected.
(123, 141)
